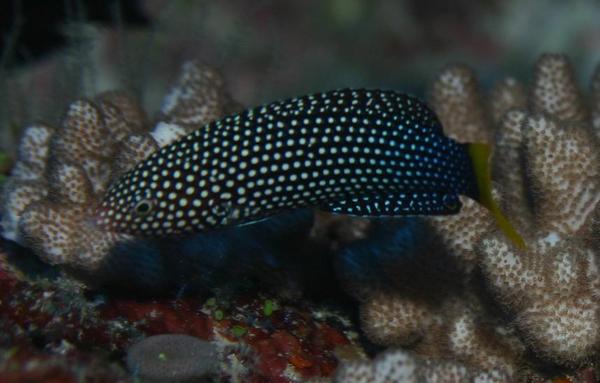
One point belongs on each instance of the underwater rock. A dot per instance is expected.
(172, 358)
(510, 308)
(19, 364)
(258, 338)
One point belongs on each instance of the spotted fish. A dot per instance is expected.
(352, 151)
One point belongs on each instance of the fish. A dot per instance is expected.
(360, 152)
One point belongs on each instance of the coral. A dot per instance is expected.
(47, 207)
(401, 366)
(552, 287)
(513, 308)
(49, 199)
(452, 291)
(61, 174)
(456, 99)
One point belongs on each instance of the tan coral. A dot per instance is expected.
(132, 149)
(401, 366)
(33, 153)
(509, 171)
(548, 287)
(454, 328)
(27, 183)
(392, 320)
(123, 115)
(459, 233)
(459, 331)
(456, 98)
(507, 94)
(198, 97)
(546, 167)
(553, 298)
(61, 174)
(564, 169)
(478, 344)
(555, 91)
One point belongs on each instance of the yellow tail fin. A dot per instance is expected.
(480, 158)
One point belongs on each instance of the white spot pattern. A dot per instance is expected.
(362, 152)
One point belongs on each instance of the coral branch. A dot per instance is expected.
(546, 166)
(62, 173)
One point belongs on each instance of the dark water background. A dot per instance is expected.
(55, 51)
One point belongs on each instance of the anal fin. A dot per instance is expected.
(396, 204)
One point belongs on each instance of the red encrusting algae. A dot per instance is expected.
(57, 331)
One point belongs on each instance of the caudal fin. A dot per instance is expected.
(480, 158)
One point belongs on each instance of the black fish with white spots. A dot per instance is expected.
(357, 152)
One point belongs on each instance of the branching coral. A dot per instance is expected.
(453, 290)
(401, 366)
(546, 167)
(61, 173)
(552, 286)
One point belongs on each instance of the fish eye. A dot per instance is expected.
(143, 207)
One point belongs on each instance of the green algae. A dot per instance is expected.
(211, 302)
(268, 307)
(238, 331)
